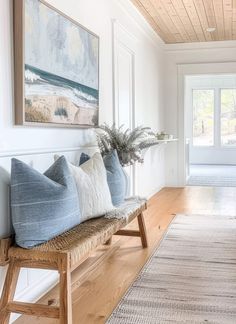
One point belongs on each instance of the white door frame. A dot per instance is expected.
(183, 71)
(217, 153)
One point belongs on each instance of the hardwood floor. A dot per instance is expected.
(102, 280)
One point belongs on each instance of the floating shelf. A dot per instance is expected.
(157, 142)
(167, 140)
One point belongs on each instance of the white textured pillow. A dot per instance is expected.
(93, 190)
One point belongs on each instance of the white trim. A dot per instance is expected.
(121, 37)
(121, 45)
(41, 287)
(181, 129)
(185, 70)
(4, 154)
(141, 23)
(154, 192)
(122, 29)
(216, 153)
(200, 46)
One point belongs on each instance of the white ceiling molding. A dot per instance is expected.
(198, 46)
(129, 8)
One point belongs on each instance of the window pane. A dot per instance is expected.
(203, 117)
(228, 117)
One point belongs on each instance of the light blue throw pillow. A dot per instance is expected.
(42, 205)
(116, 177)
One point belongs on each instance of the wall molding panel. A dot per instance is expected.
(4, 154)
(124, 48)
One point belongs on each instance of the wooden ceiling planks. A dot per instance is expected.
(199, 6)
(234, 20)
(211, 18)
(194, 18)
(228, 15)
(148, 10)
(219, 14)
(170, 11)
(184, 17)
(184, 21)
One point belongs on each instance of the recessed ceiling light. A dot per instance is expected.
(210, 29)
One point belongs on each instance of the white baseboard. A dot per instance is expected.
(154, 191)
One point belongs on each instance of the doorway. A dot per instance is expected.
(210, 129)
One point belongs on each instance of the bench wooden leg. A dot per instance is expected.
(65, 293)
(142, 229)
(142, 233)
(8, 291)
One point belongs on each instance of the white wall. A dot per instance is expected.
(177, 56)
(36, 145)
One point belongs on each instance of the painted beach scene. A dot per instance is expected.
(61, 69)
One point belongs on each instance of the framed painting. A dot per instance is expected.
(56, 68)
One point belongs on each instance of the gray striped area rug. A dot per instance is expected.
(190, 278)
(212, 181)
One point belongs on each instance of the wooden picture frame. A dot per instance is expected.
(67, 102)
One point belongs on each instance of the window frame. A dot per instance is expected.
(214, 122)
(220, 136)
(217, 142)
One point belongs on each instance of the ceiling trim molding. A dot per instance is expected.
(200, 46)
(129, 8)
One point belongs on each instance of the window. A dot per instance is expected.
(203, 117)
(228, 117)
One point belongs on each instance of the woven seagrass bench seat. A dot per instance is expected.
(64, 253)
(79, 241)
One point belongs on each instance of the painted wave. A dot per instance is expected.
(41, 83)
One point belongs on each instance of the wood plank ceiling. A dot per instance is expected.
(186, 21)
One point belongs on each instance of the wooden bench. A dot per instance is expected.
(63, 253)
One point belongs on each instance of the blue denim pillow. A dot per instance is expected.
(42, 205)
(116, 177)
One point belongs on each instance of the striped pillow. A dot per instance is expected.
(92, 187)
(116, 177)
(42, 205)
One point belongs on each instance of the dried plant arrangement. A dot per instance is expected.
(128, 143)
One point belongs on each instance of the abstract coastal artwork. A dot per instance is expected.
(60, 67)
